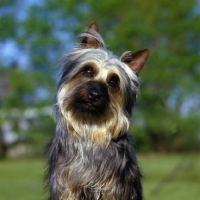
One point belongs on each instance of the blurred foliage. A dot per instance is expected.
(166, 116)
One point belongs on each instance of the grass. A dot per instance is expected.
(21, 180)
(171, 177)
(166, 177)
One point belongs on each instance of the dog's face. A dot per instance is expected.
(97, 90)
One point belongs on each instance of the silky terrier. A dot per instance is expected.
(91, 156)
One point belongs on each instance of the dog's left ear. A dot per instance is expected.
(136, 60)
(90, 37)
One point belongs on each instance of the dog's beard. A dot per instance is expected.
(88, 102)
(94, 119)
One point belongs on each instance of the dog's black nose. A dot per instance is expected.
(94, 95)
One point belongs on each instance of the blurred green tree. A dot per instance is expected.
(166, 116)
(26, 88)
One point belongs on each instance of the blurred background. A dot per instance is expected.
(35, 34)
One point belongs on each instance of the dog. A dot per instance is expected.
(91, 156)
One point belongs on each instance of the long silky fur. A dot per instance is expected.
(82, 170)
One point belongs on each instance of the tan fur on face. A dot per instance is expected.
(115, 121)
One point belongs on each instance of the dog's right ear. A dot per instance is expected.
(90, 39)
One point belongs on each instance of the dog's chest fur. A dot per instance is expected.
(94, 173)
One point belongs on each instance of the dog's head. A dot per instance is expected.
(97, 90)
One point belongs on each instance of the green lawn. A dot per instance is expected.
(22, 180)
(171, 177)
(174, 177)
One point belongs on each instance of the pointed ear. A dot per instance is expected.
(89, 40)
(94, 27)
(136, 60)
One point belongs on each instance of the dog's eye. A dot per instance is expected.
(88, 71)
(114, 82)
